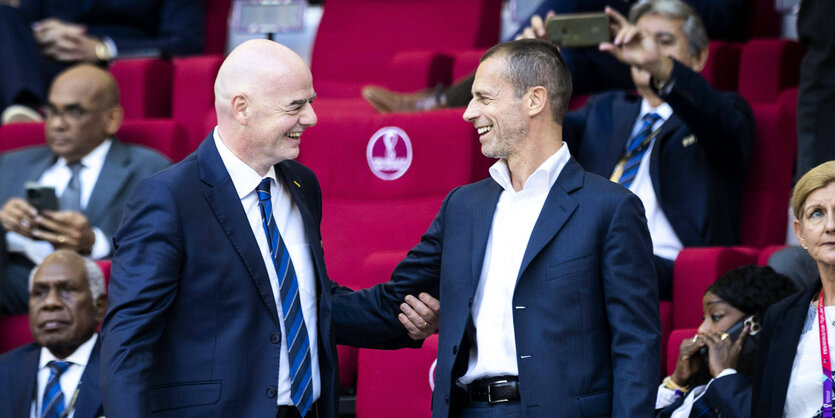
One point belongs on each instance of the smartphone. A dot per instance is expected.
(578, 29)
(750, 345)
(41, 197)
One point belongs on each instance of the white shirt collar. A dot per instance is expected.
(664, 111)
(544, 176)
(243, 176)
(94, 159)
(80, 356)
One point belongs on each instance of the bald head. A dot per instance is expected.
(82, 111)
(263, 97)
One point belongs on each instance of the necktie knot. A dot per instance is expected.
(651, 118)
(75, 167)
(58, 367)
(263, 190)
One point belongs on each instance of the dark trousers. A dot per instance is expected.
(816, 93)
(484, 410)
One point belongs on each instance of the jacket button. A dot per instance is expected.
(455, 349)
(275, 338)
(470, 302)
(446, 399)
(271, 392)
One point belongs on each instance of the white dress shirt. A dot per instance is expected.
(58, 176)
(291, 227)
(69, 380)
(667, 396)
(665, 242)
(804, 396)
(494, 351)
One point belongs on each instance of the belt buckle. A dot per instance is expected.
(490, 400)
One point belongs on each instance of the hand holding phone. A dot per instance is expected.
(41, 197)
(732, 348)
(578, 30)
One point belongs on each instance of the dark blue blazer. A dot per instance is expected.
(699, 160)
(173, 27)
(19, 380)
(192, 329)
(727, 396)
(586, 303)
(776, 349)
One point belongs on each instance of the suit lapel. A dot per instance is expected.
(88, 403)
(111, 179)
(483, 210)
(786, 341)
(222, 198)
(625, 113)
(555, 212)
(22, 393)
(670, 126)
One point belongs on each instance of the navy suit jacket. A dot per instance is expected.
(173, 27)
(19, 380)
(699, 160)
(586, 319)
(727, 396)
(776, 349)
(192, 329)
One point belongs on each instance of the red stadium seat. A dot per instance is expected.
(767, 67)
(396, 383)
(697, 268)
(163, 135)
(765, 197)
(358, 39)
(766, 253)
(14, 332)
(145, 86)
(193, 96)
(674, 346)
(722, 67)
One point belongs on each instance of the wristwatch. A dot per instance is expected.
(103, 52)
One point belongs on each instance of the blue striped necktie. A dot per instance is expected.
(635, 149)
(53, 398)
(298, 344)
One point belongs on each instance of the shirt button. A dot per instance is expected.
(271, 392)
(455, 349)
(275, 338)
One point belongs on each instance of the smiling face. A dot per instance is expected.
(671, 40)
(718, 315)
(62, 312)
(496, 113)
(816, 227)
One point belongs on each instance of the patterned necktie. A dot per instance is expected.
(635, 148)
(53, 398)
(71, 198)
(298, 344)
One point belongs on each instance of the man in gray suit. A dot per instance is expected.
(92, 174)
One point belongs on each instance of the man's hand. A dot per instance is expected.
(689, 362)
(421, 316)
(64, 41)
(537, 29)
(722, 353)
(636, 48)
(65, 229)
(19, 216)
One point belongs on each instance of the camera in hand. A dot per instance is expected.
(578, 29)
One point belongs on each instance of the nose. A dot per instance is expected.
(830, 222)
(56, 122)
(704, 327)
(52, 300)
(308, 117)
(471, 114)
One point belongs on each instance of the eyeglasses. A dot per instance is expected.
(71, 113)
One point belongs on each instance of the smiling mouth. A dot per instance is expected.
(52, 324)
(484, 129)
(293, 135)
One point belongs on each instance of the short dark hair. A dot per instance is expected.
(533, 62)
(752, 289)
(694, 28)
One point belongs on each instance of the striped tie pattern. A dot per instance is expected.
(53, 397)
(298, 344)
(635, 148)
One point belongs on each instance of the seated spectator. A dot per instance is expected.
(793, 374)
(91, 171)
(58, 374)
(795, 262)
(40, 38)
(679, 145)
(591, 70)
(719, 384)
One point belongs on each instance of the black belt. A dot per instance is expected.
(290, 411)
(494, 390)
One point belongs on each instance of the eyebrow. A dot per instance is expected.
(302, 101)
(713, 302)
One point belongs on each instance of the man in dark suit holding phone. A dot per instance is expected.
(89, 170)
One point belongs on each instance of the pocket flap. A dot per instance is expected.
(180, 395)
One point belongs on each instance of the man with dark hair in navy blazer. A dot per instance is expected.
(690, 168)
(220, 300)
(58, 373)
(544, 272)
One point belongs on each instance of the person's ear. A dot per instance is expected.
(536, 100)
(240, 108)
(100, 306)
(113, 119)
(699, 61)
(797, 229)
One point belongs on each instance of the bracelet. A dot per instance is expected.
(670, 384)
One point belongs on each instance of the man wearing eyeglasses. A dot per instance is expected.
(91, 172)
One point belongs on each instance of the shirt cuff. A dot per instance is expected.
(726, 372)
(101, 248)
(111, 46)
(665, 397)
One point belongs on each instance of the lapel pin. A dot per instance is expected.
(688, 140)
(297, 184)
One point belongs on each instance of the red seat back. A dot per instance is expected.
(193, 95)
(145, 86)
(767, 67)
(722, 66)
(674, 346)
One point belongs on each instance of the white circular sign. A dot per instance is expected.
(389, 153)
